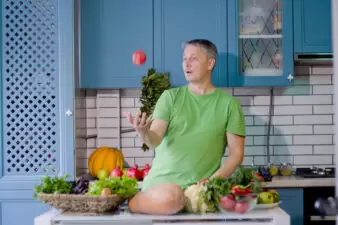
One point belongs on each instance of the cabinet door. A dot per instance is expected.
(36, 86)
(293, 204)
(260, 42)
(312, 26)
(177, 21)
(111, 30)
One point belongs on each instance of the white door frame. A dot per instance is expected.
(335, 74)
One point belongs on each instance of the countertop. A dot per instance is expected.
(294, 182)
(275, 216)
(300, 182)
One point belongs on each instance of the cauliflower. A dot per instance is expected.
(195, 202)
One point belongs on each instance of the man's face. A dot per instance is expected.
(196, 64)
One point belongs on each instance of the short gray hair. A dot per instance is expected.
(209, 47)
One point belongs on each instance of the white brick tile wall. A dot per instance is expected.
(322, 70)
(313, 119)
(143, 161)
(324, 129)
(255, 110)
(323, 89)
(320, 79)
(313, 159)
(274, 140)
(311, 100)
(312, 139)
(292, 110)
(257, 130)
(277, 100)
(323, 109)
(275, 120)
(324, 149)
(249, 140)
(255, 150)
(293, 150)
(292, 129)
(249, 120)
(301, 133)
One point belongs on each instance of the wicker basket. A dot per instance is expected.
(71, 203)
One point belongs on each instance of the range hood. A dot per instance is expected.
(321, 58)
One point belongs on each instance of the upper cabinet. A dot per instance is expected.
(110, 32)
(256, 39)
(260, 42)
(312, 26)
(178, 21)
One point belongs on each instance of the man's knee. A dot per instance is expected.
(162, 199)
(169, 196)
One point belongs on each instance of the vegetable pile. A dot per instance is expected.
(208, 195)
(124, 187)
(87, 185)
(56, 185)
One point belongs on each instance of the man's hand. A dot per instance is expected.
(150, 135)
(140, 124)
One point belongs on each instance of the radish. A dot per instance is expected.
(134, 172)
(145, 171)
(117, 172)
(241, 207)
(228, 202)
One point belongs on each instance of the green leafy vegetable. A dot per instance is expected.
(125, 187)
(153, 85)
(53, 185)
(218, 187)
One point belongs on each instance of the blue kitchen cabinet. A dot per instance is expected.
(110, 32)
(260, 43)
(292, 202)
(37, 92)
(176, 22)
(312, 26)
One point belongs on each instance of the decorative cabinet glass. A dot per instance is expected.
(261, 50)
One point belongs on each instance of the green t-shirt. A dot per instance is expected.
(195, 141)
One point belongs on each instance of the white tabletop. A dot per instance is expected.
(274, 216)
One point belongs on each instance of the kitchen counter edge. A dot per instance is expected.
(293, 182)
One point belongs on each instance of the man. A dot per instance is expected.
(191, 125)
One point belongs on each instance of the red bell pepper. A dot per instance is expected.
(257, 176)
(241, 190)
(204, 180)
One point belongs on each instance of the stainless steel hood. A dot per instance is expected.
(317, 58)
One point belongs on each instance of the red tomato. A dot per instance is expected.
(139, 57)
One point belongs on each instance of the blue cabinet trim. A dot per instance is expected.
(1, 93)
(67, 145)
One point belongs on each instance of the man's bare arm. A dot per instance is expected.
(154, 135)
(235, 158)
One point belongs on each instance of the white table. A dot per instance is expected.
(275, 216)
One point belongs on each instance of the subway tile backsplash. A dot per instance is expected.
(301, 133)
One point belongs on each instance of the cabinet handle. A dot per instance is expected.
(68, 112)
(290, 77)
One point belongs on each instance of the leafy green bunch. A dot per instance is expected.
(54, 185)
(125, 187)
(153, 85)
(217, 187)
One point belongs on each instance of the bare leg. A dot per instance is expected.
(163, 199)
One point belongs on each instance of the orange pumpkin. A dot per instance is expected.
(105, 158)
